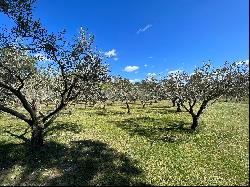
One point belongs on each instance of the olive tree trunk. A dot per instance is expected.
(195, 122)
(128, 108)
(37, 136)
(174, 101)
(196, 116)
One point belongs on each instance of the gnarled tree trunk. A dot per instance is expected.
(196, 117)
(173, 102)
(128, 107)
(85, 104)
(37, 136)
(195, 122)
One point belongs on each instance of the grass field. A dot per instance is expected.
(151, 146)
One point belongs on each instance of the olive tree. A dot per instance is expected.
(123, 90)
(147, 90)
(207, 84)
(172, 87)
(68, 66)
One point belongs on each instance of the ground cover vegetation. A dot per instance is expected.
(64, 120)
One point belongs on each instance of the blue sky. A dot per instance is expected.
(155, 36)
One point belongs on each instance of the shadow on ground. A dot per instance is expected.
(57, 126)
(159, 110)
(156, 129)
(84, 162)
(62, 126)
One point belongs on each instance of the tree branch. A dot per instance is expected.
(202, 107)
(14, 113)
(58, 109)
(21, 97)
(14, 74)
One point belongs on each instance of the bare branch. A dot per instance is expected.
(21, 97)
(14, 113)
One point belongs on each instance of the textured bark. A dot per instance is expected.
(174, 101)
(196, 116)
(37, 137)
(128, 107)
(195, 123)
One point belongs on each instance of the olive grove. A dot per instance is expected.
(42, 73)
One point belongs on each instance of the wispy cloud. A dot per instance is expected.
(111, 53)
(115, 59)
(150, 57)
(145, 65)
(131, 68)
(144, 29)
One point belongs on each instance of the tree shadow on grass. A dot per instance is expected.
(109, 112)
(62, 126)
(100, 112)
(167, 110)
(55, 127)
(156, 129)
(84, 162)
(106, 112)
(160, 110)
(161, 107)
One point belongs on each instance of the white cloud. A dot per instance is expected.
(145, 65)
(115, 59)
(175, 71)
(131, 68)
(134, 80)
(151, 74)
(144, 29)
(110, 53)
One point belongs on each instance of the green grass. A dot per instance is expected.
(151, 146)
